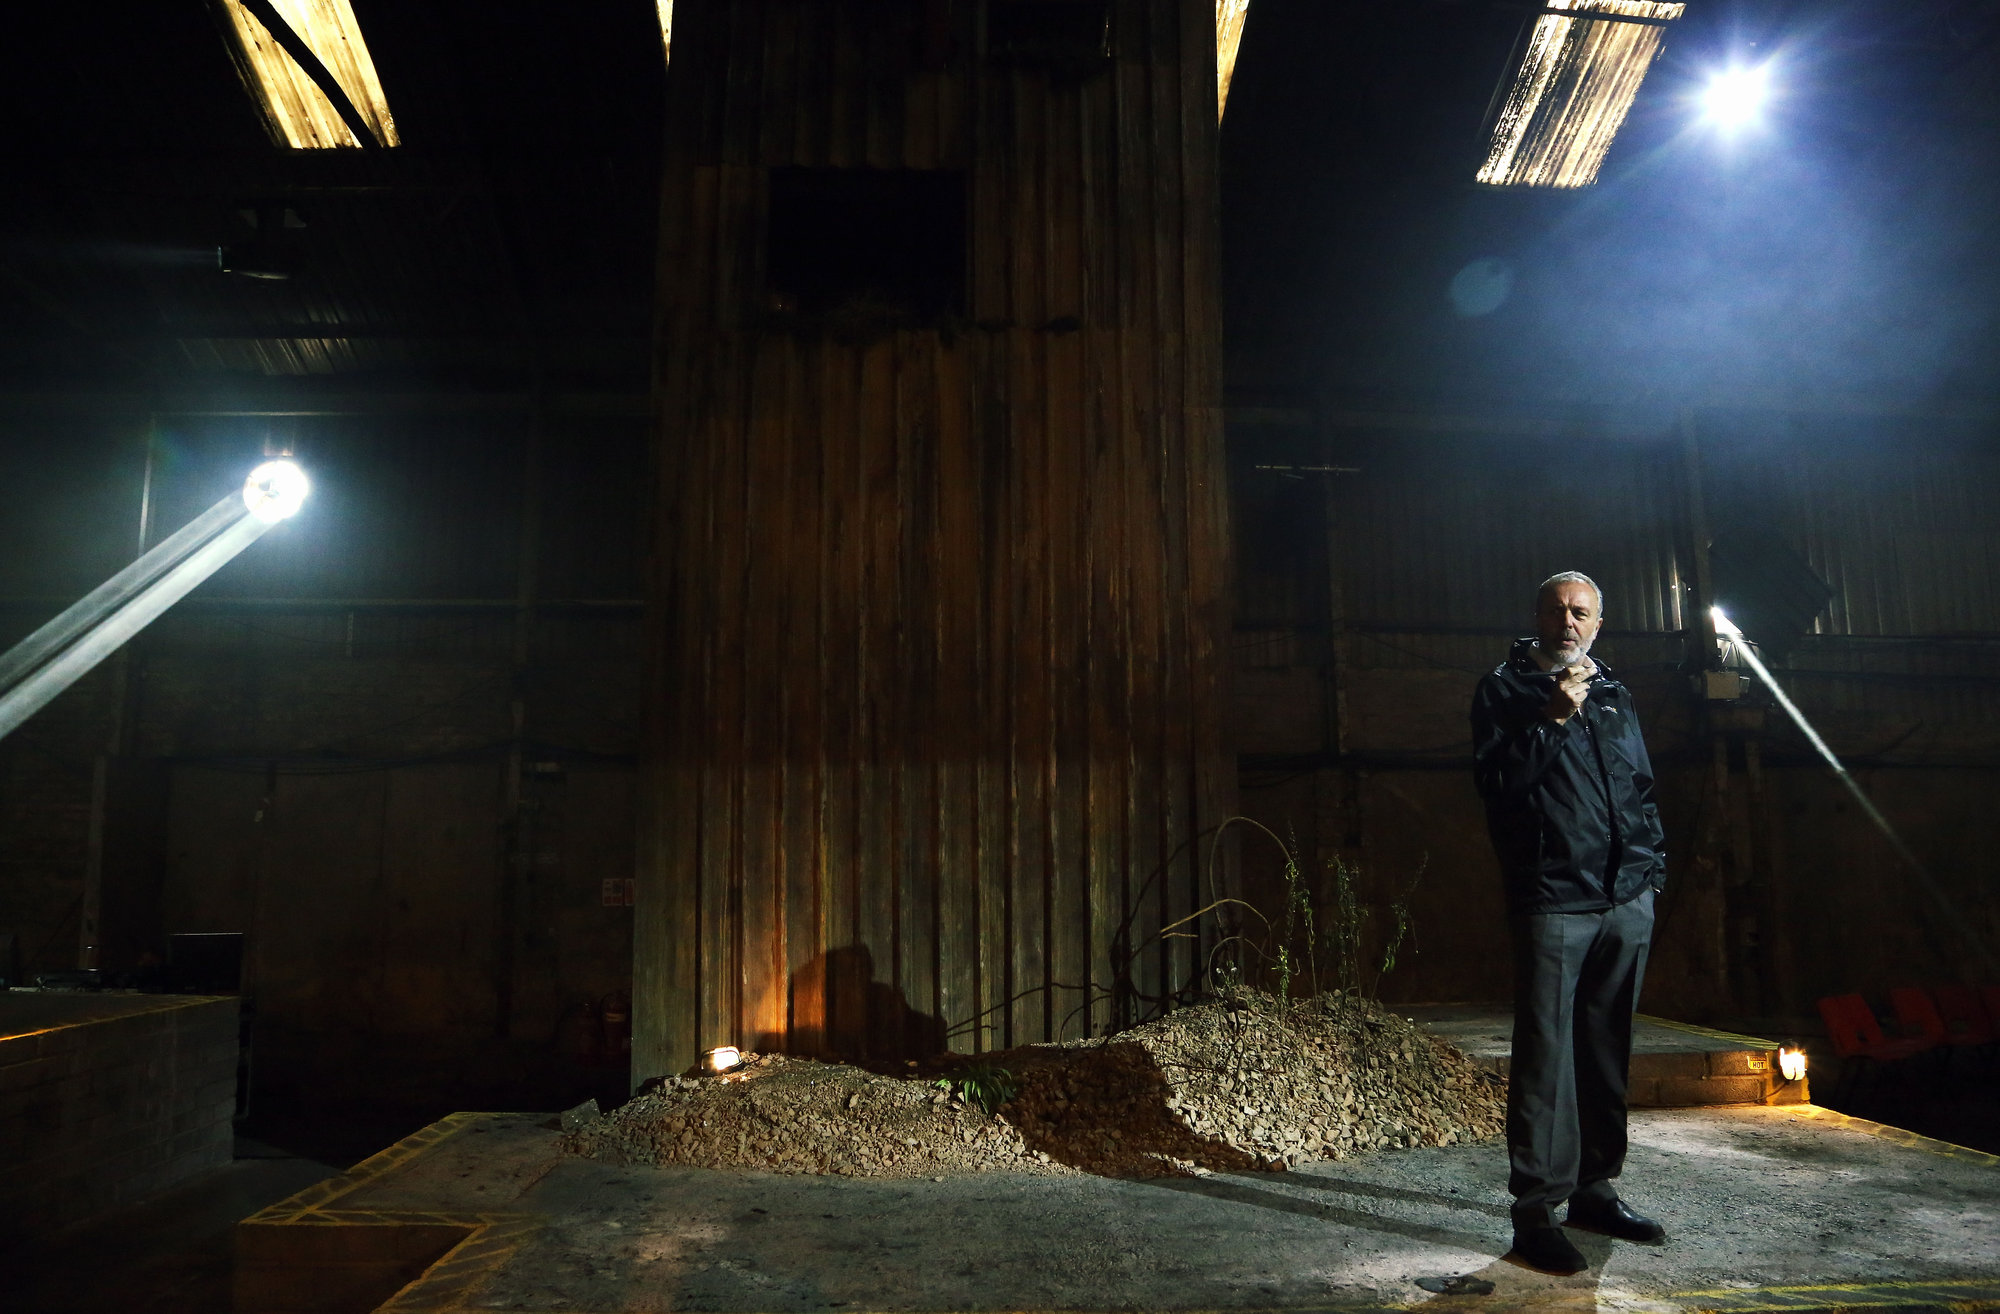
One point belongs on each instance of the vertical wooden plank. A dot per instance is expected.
(802, 690)
(958, 712)
(1030, 722)
(999, 534)
(839, 678)
(879, 510)
(766, 527)
(916, 649)
(719, 738)
(1068, 594)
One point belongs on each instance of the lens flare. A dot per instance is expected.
(1735, 97)
(275, 491)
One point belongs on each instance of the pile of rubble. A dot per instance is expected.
(1236, 1084)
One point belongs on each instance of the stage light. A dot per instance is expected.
(1735, 97)
(1791, 1064)
(1723, 625)
(723, 1058)
(275, 491)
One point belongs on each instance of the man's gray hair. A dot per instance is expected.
(1568, 577)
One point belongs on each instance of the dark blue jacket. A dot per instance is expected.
(1570, 807)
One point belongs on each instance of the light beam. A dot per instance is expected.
(1727, 629)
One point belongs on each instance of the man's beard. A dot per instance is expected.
(1563, 660)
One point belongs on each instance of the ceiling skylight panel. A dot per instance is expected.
(1229, 16)
(296, 107)
(1577, 79)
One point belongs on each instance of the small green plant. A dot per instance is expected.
(1399, 917)
(1348, 916)
(982, 1085)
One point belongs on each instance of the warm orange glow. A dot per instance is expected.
(1577, 81)
(298, 112)
(666, 28)
(1229, 16)
(722, 1058)
(1791, 1064)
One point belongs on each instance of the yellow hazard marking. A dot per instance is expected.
(1907, 1139)
(490, 1239)
(1729, 1038)
(1968, 1296)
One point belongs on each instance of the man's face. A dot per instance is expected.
(1567, 620)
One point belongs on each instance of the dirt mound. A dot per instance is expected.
(1229, 1085)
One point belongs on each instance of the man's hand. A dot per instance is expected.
(1572, 687)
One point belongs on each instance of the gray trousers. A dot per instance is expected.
(1576, 983)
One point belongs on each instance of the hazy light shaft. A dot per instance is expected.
(1727, 628)
(37, 690)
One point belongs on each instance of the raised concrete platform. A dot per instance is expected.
(1674, 1064)
(1768, 1209)
(106, 1099)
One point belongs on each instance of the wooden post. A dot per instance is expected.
(938, 597)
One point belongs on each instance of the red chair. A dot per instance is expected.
(1966, 1021)
(1856, 1035)
(1918, 1014)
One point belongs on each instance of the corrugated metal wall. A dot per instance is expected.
(1454, 533)
(939, 609)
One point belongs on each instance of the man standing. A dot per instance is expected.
(1569, 802)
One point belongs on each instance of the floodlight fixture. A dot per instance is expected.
(1735, 97)
(1580, 68)
(275, 491)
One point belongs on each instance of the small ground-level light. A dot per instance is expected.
(1791, 1063)
(723, 1058)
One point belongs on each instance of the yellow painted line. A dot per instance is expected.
(491, 1239)
(147, 1010)
(294, 1208)
(1977, 1294)
(1897, 1135)
(1730, 1038)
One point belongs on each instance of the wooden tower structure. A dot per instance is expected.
(940, 582)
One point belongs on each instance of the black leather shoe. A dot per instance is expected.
(1548, 1249)
(1616, 1219)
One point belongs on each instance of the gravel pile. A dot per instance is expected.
(1225, 1085)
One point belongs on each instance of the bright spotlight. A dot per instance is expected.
(275, 491)
(1735, 97)
(1723, 625)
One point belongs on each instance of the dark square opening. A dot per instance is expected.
(883, 242)
(1064, 35)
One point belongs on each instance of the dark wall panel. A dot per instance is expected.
(939, 603)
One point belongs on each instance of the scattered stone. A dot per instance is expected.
(581, 1116)
(1238, 1084)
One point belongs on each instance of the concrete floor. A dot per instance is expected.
(1754, 1199)
(173, 1254)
